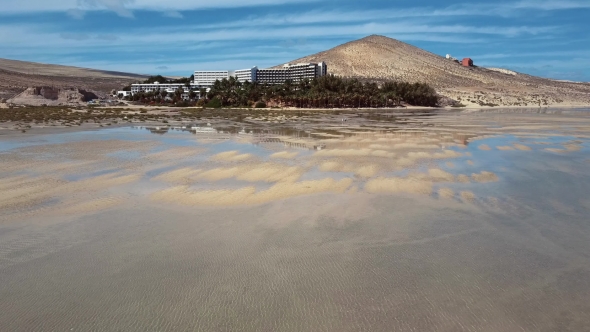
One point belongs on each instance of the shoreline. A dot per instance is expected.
(221, 116)
(132, 107)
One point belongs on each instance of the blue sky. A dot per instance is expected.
(548, 38)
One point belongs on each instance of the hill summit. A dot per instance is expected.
(379, 58)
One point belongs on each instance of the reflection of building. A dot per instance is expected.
(158, 130)
(203, 129)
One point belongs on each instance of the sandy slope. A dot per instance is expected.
(16, 76)
(380, 58)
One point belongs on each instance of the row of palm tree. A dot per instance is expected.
(323, 92)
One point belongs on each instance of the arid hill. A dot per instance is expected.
(379, 58)
(18, 76)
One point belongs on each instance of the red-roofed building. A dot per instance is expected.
(467, 62)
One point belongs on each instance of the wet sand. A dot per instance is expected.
(434, 221)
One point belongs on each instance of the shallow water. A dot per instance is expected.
(381, 221)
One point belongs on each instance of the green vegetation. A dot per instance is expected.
(323, 92)
(214, 103)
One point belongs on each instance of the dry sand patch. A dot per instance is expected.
(359, 169)
(231, 156)
(89, 150)
(413, 146)
(367, 171)
(249, 195)
(255, 172)
(446, 193)
(438, 175)
(484, 147)
(399, 185)
(556, 150)
(505, 148)
(522, 147)
(484, 177)
(175, 153)
(91, 206)
(468, 196)
(446, 154)
(572, 147)
(268, 172)
(217, 174)
(178, 175)
(354, 153)
(433, 175)
(462, 178)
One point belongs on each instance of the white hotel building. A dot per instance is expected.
(206, 79)
(295, 73)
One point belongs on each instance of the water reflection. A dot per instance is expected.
(369, 224)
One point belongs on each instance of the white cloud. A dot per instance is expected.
(173, 14)
(120, 7)
(76, 13)
(74, 36)
(125, 7)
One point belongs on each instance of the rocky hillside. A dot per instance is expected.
(380, 58)
(18, 76)
(52, 96)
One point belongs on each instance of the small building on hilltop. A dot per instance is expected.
(467, 62)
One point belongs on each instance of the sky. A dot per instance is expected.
(549, 38)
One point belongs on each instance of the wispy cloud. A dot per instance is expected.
(124, 8)
(268, 32)
(173, 14)
(74, 36)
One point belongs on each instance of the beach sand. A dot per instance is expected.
(382, 226)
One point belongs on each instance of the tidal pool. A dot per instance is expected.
(364, 221)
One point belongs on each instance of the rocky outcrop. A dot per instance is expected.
(52, 96)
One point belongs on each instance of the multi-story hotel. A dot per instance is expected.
(206, 79)
(250, 75)
(295, 73)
